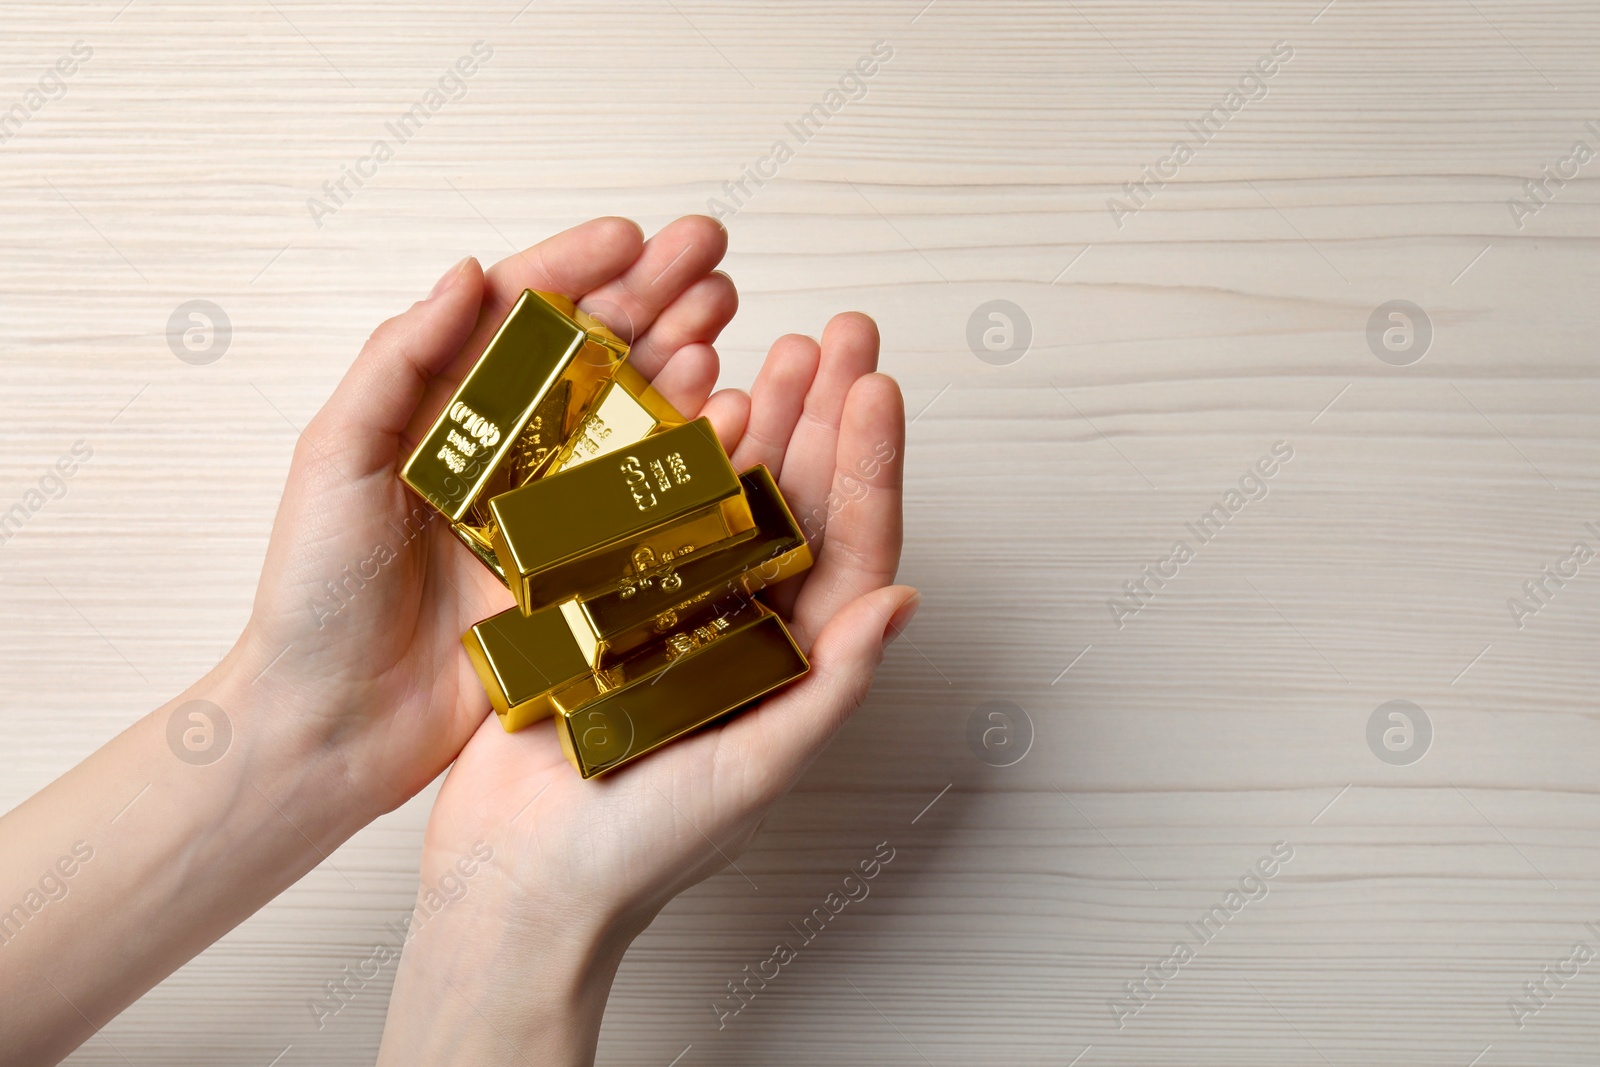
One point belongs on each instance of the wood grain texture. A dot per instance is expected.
(1226, 315)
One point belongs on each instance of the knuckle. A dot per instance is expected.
(388, 333)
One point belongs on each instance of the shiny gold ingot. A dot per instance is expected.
(626, 411)
(584, 529)
(514, 410)
(521, 659)
(692, 678)
(649, 603)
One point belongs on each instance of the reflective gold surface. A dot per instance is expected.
(646, 604)
(690, 679)
(582, 530)
(632, 547)
(512, 412)
(520, 659)
(626, 411)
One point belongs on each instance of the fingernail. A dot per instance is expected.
(901, 618)
(449, 278)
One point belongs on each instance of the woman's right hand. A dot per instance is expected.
(517, 971)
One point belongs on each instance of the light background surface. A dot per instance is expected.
(1167, 355)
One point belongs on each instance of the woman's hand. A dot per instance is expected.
(355, 637)
(349, 690)
(518, 969)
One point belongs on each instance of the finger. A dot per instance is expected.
(372, 404)
(849, 350)
(729, 411)
(688, 378)
(776, 401)
(571, 262)
(861, 524)
(775, 742)
(699, 313)
(673, 260)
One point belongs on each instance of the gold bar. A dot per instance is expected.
(627, 411)
(653, 601)
(584, 529)
(691, 679)
(521, 658)
(512, 412)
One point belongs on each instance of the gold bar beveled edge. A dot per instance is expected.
(611, 639)
(730, 509)
(766, 618)
(649, 402)
(430, 442)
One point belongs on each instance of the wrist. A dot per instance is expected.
(492, 976)
(309, 727)
(177, 829)
(283, 744)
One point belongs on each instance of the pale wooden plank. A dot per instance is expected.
(1218, 320)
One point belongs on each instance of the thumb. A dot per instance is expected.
(783, 735)
(369, 409)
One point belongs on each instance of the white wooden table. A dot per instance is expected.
(1168, 354)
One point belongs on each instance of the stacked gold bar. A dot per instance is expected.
(633, 549)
